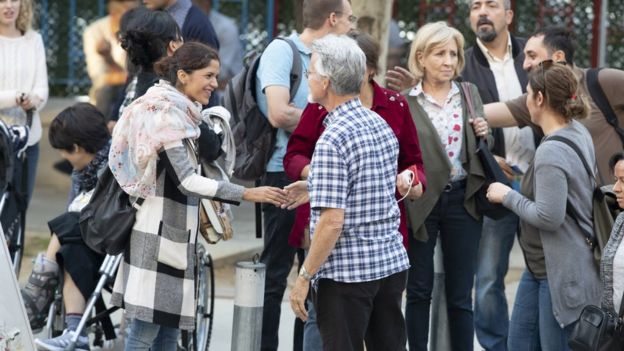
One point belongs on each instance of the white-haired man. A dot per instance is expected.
(357, 263)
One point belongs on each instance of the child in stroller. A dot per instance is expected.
(79, 132)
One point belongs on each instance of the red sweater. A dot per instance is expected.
(393, 108)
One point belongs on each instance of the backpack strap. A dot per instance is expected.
(599, 97)
(590, 238)
(295, 70)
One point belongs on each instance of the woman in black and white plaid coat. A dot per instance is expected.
(153, 157)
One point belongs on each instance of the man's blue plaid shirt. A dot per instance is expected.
(354, 167)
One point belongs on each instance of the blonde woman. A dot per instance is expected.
(24, 83)
(454, 174)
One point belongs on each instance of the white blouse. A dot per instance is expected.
(448, 121)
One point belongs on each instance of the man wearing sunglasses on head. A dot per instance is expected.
(606, 116)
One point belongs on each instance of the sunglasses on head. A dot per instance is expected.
(544, 65)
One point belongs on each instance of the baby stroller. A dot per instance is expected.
(13, 201)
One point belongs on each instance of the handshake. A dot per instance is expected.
(296, 194)
(291, 197)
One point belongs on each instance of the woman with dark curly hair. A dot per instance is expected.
(149, 36)
(153, 157)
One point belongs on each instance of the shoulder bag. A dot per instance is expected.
(598, 329)
(493, 172)
(107, 220)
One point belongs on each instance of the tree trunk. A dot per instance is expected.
(374, 19)
(298, 6)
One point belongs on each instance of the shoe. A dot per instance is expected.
(38, 293)
(61, 342)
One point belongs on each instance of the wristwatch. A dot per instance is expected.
(304, 274)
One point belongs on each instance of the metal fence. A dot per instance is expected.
(62, 22)
(580, 16)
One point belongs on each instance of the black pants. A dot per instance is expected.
(459, 236)
(278, 257)
(351, 314)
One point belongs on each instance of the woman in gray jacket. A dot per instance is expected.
(561, 276)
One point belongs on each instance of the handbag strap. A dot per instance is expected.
(570, 210)
(468, 95)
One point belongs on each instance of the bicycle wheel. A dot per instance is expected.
(205, 301)
(199, 339)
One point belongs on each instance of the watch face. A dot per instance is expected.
(304, 274)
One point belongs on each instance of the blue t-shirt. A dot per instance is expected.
(274, 69)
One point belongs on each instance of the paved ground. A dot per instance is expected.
(49, 200)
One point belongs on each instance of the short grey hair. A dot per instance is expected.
(342, 61)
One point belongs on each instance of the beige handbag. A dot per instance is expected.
(214, 223)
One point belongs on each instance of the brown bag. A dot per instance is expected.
(214, 223)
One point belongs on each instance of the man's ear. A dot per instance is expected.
(559, 56)
(509, 14)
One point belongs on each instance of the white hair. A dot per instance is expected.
(342, 61)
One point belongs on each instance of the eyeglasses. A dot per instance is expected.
(352, 19)
(308, 73)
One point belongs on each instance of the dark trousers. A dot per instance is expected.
(278, 257)
(351, 314)
(459, 233)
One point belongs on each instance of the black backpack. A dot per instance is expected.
(253, 134)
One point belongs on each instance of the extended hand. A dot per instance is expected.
(268, 194)
(400, 79)
(297, 193)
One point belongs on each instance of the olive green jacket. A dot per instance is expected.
(438, 167)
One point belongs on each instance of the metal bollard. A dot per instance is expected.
(248, 304)
(439, 337)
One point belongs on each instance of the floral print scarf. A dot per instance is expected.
(162, 116)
